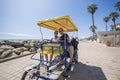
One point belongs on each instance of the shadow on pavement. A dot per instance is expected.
(86, 72)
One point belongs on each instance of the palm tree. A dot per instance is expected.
(114, 16)
(112, 27)
(93, 28)
(106, 19)
(92, 8)
(117, 5)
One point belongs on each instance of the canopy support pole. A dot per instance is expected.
(41, 33)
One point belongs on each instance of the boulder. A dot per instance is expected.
(14, 54)
(27, 45)
(1, 51)
(24, 49)
(6, 47)
(26, 52)
(14, 44)
(5, 54)
(19, 50)
(31, 49)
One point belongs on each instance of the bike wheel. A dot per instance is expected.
(28, 75)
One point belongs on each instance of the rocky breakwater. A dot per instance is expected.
(15, 48)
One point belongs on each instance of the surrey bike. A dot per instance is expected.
(53, 71)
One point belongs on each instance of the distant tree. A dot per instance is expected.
(106, 19)
(91, 9)
(112, 27)
(93, 28)
(118, 29)
(114, 16)
(117, 5)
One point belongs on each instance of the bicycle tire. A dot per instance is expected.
(27, 73)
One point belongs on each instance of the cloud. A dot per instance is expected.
(19, 35)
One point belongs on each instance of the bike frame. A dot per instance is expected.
(67, 25)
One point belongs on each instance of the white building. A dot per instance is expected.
(118, 25)
(109, 36)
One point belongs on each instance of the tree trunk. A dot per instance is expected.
(106, 26)
(93, 25)
(115, 33)
(114, 25)
(93, 19)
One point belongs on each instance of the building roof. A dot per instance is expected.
(102, 33)
(118, 23)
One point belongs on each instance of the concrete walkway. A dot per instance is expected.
(96, 62)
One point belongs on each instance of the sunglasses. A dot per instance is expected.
(56, 33)
(61, 31)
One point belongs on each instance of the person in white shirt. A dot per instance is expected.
(56, 39)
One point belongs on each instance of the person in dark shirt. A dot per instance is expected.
(64, 37)
(74, 42)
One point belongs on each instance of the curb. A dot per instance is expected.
(11, 58)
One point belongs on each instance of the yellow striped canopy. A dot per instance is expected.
(56, 23)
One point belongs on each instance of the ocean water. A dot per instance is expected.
(18, 40)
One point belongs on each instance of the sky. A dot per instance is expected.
(18, 18)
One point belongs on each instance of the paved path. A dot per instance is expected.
(96, 62)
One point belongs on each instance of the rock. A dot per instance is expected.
(31, 43)
(31, 49)
(1, 51)
(26, 52)
(24, 49)
(2, 43)
(14, 54)
(27, 45)
(14, 44)
(24, 41)
(6, 54)
(18, 51)
(6, 47)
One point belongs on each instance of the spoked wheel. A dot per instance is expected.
(28, 75)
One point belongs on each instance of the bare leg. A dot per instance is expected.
(46, 57)
(51, 56)
(71, 53)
